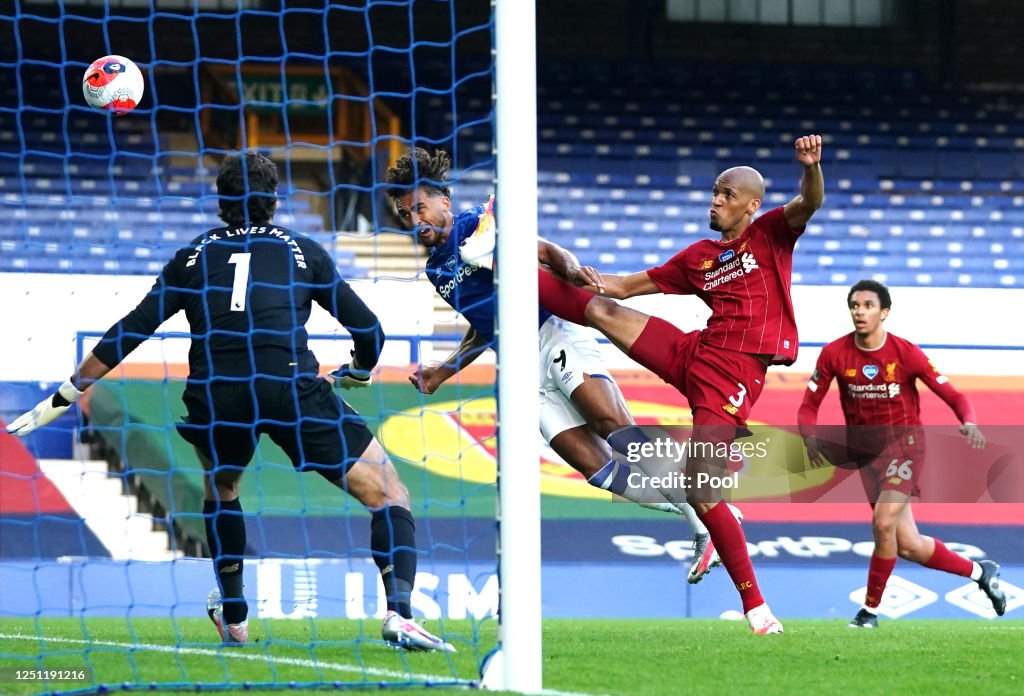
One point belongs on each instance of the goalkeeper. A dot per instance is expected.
(580, 405)
(247, 291)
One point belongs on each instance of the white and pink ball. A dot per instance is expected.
(113, 83)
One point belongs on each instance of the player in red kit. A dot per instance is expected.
(745, 278)
(877, 374)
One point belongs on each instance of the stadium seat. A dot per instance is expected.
(626, 166)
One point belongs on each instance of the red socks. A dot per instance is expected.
(945, 560)
(881, 568)
(878, 575)
(727, 534)
(561, 299)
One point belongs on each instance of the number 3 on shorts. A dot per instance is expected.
(737, 400)
(903, 470)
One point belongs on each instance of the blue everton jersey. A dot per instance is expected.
(468, 289)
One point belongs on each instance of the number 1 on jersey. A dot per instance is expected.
(241, 262)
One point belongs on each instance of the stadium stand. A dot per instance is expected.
(87, 194)
(922, 184)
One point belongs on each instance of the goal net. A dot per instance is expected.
(105, 565)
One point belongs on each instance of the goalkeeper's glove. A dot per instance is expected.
(348, 377)
(48, 410)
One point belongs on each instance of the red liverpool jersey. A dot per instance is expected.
(877, 387)
(746, 282)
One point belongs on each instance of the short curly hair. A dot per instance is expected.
(420, 169)
(884, 298)
(247, 186)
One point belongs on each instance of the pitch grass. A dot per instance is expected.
(580, 656)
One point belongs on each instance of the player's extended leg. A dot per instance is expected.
(225, 535)
(601, 403)
(705, 467)
(932, 553)
(375, 483)
(620, 324)
(587, 453)
(565, 428)
(580, 405)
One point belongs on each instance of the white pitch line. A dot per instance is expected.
(236, 654)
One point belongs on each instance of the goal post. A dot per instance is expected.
(517, 666)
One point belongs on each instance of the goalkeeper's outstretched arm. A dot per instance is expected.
(119, 340)
(367, 335)
(53, 407)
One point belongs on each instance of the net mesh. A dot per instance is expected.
(104, 562)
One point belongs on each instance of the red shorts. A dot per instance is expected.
(898, 468)
(721, 385)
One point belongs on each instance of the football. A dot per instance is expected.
(113, 83)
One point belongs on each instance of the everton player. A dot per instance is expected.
(877, 374)
(580, 403)
(745, 278)
(247, 289)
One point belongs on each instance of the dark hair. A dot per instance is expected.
(420, 169)
(247, 186)
(874, 286)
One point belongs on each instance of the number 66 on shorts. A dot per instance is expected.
(893, 473)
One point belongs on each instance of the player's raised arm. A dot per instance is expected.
(807, 416)
(427, 378)
(812, 183)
